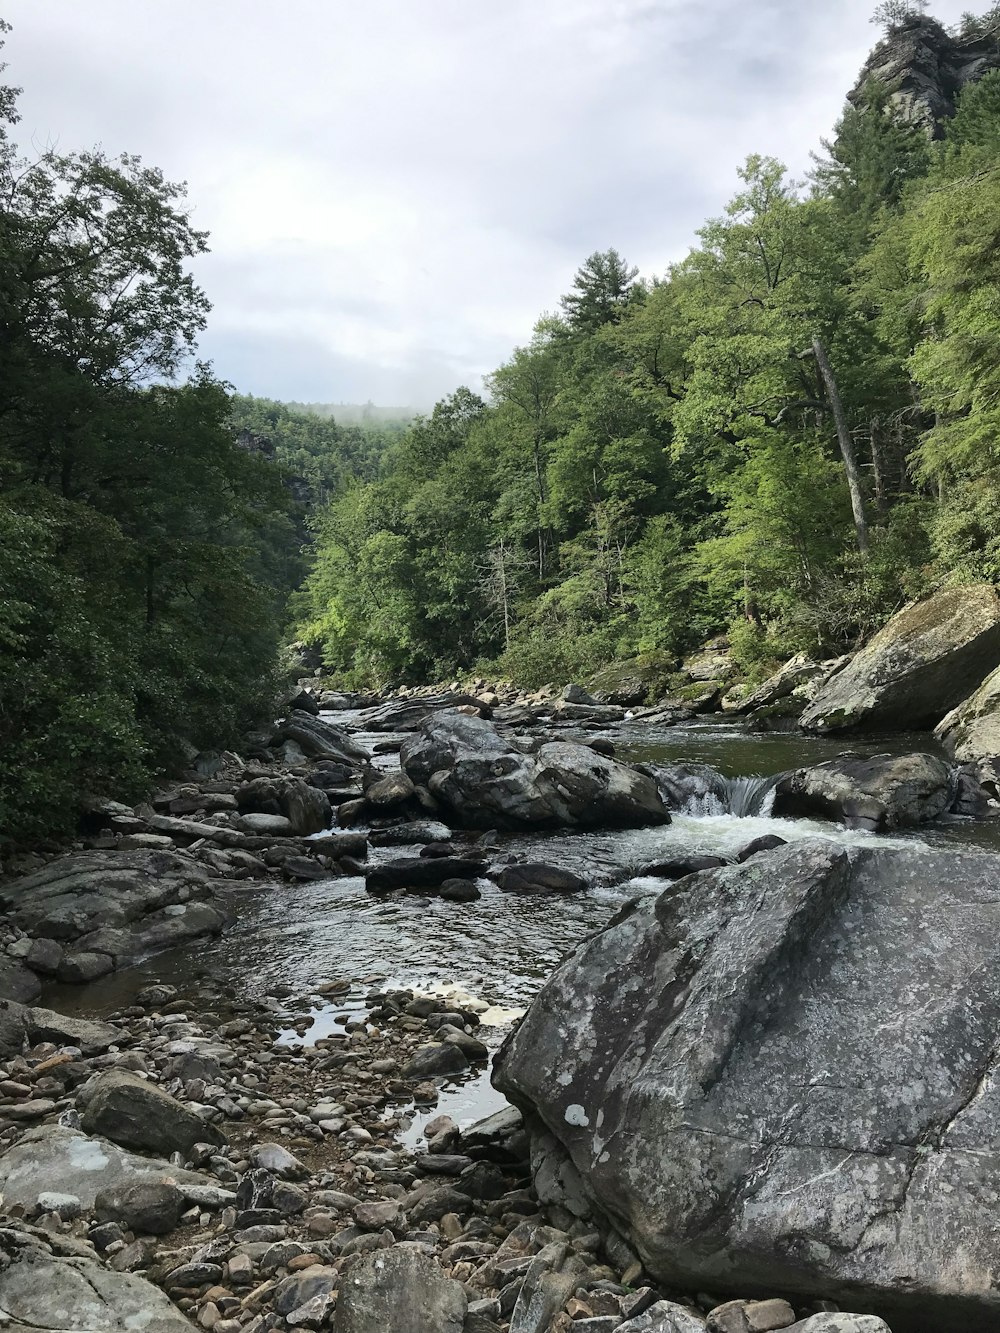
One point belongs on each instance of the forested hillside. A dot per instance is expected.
(143, 556)
(785, 436)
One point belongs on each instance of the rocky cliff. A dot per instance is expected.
(925, 67)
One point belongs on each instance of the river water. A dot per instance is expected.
(289, 939)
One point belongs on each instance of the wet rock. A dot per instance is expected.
(678, 867)
(42, 1291)
(427, 831)
(487, 783)
(318, 739)
(399, 1290)
(44, 956)
(437, 1057)
(85, 965)
(535, 877)
(138, 1114)
(691, 787)
(459, 891)
(924, 662)
(879, 792)
(419, 872)
(766, 843)
(150, 1206)
(389, 793)
(266, 825)
(17, 981)
(804, 1069)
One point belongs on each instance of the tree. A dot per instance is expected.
(894, 13)
(603, 288)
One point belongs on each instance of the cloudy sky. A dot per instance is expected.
(396, 189)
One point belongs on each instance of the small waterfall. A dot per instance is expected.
(751, 795)
(702, 792)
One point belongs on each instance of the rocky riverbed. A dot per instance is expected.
(192, 1159)
(297, 963)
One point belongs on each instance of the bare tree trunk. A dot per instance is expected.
(845, 442)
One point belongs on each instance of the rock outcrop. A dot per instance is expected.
(971, 731)
(97, 911)
(923, 663)
(924, 68)
(783, 1075)
(877, 792)
(484, 781)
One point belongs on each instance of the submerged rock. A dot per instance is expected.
(925, 661)
(780, 1076)
(485, 782)
(877, 792)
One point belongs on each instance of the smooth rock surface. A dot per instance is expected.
(924, 662)
(137, 1114)
(783, 1076)
(876, 792)
(972, 730)
(55, 1159)
(399, 1290)
(41, 1291)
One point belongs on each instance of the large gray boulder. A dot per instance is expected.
(136, 1113)
(54, 1159)
(108, 909)
(318, 739)
(923, 663)
(485, 782)
(876, 792)
(782, 1076)
(399, 1290)
(971, 731)
(42, 1289)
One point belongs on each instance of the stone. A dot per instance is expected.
(788, 680)
(376, 1216)
(399, 1290)
(923, 663)
(766, 843)
(17, 981)
(485, 782)
(139, 901)
(306, 808)
(426, 831)
(459, 891)
(44, 956)
(783, 1078)
(137, 1114)
(972, 730)
(535, 877)
(55, 1158)
(41, 1291)
(318, 739)
(419, 872)
(391, 792)
(279, 1161)
(576, 694)
(437, 1057)
(92, 1038)
(267, 825)
(678, 867)
(153, 1207)
(857, 1323)
(12, 1018)
(664, 1317)
(878, 792)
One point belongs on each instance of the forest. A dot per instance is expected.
(782, 438)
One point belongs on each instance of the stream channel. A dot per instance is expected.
(288, 939)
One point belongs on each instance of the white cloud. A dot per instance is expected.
(397, 188)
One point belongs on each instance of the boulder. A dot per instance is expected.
(136, 1113)
(17, 981)
(423, 831)
(789, 680)
(419, 872)
(485, 782)
(43, 1290)
(536, 877)
(318, 739)
(971, 731)
(91, 1037)
(576, 694)
(305, 807)
(411, 714)
(690, 787)
(54, 1158)
(122, 905)
(877, 792)
(924, 662)
(399, 1290)
(153, 1207)
(782, 1076)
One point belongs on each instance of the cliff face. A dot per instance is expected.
(925, 68)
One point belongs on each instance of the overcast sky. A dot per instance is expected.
(396, 189)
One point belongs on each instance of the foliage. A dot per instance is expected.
(140, 549)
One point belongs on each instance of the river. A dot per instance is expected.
(289, 939)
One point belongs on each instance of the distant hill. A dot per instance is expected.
(356, 414)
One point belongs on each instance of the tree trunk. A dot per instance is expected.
(845, 442)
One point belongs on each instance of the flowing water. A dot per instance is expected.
(291, 938)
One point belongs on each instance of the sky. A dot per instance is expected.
(397, 189)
